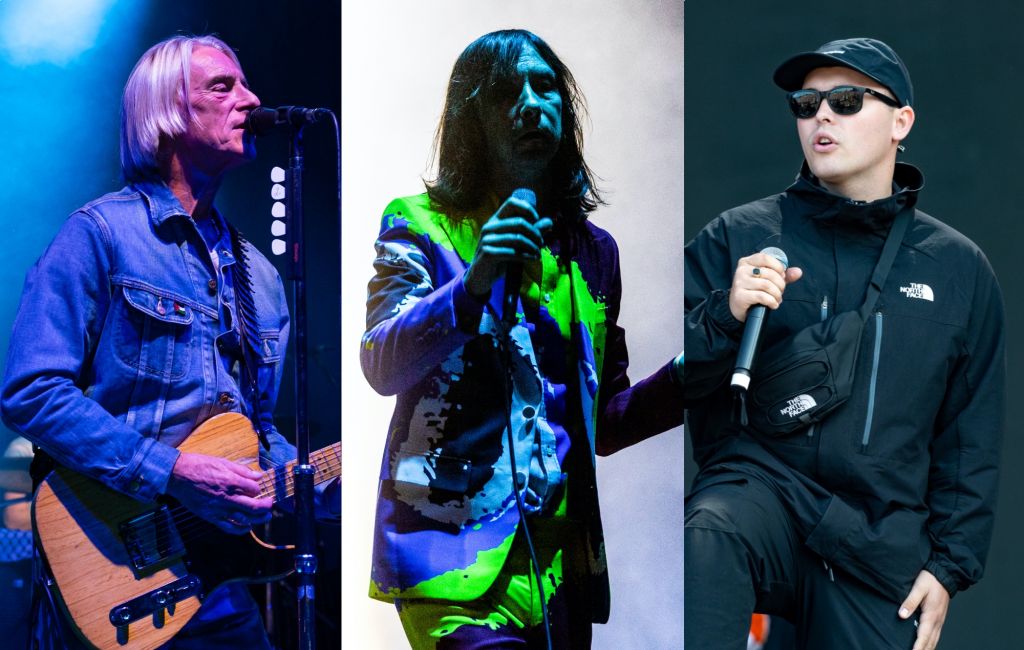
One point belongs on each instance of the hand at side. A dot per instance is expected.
(933, 599)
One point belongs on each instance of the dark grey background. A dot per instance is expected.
(965, 61)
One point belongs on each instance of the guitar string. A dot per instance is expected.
(269, 482)
(328, 465)
(188, 523)
(190, 526)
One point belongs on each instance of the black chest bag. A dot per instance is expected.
(802, 379)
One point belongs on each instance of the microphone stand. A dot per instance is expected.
(305, 555)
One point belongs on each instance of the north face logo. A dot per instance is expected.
(798, 405)
(921, 291)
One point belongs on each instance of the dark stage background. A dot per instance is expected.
(965, 62)
(63, 64)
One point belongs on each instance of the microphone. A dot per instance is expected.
(261, 121)
(514, 270)
(752, 333)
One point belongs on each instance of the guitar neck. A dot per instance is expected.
(279, 482)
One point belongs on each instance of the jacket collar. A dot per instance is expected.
(818, 203)
(162, 203)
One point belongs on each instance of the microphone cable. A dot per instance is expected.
(337, 147)
(505, 344)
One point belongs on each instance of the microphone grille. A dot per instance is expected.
(778, 254)
(261, 121)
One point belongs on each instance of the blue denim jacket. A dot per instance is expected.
(116, 352)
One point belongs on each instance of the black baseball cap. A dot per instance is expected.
(868, 56)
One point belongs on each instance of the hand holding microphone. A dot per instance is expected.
(757, 285)
(763, 286)
(514, 234)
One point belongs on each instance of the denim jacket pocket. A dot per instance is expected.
(153, 331)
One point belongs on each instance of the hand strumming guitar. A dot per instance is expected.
(221, 491)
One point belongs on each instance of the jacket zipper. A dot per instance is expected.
(824, 316)
(874, 380)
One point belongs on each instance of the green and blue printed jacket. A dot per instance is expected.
(446, 513)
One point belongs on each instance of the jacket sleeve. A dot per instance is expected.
(711, 332)
(964, 472)
(628, 414)
(412, 324)
(56, 330)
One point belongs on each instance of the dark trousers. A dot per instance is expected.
(744, 555)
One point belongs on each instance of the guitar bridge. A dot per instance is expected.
(152, 541)
(155, 603)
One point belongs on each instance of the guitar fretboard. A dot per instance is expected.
(279, 482)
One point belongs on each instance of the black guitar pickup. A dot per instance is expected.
(151, 541)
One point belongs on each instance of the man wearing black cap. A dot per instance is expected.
(857, 524)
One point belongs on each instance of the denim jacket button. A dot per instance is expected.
(211, 286)
(225, 399)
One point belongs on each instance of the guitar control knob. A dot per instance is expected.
(160, 597)
(123, 613)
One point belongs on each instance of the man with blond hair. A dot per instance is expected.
(128, 335)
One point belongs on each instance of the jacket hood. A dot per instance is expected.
(812, 199)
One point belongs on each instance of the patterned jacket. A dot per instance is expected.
(446, 514)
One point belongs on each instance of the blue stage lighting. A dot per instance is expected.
(49, 31)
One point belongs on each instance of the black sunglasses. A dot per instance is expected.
(843, 100)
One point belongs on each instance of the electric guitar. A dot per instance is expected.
(131, 574)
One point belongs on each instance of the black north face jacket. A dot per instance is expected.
(903, 476)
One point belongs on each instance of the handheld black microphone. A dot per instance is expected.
(514, 270)
(752, 333)
(261, 121)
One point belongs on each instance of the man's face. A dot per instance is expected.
(853, 155)
(523, 123)
(220, 100)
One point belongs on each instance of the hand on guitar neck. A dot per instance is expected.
(219, 490)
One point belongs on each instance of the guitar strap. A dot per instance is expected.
(248, 329)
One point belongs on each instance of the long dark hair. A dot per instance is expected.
(461, 145)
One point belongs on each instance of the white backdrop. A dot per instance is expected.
(627, 56)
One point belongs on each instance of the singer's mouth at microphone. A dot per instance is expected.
(534, 139)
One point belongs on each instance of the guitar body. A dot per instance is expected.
(146, 566)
